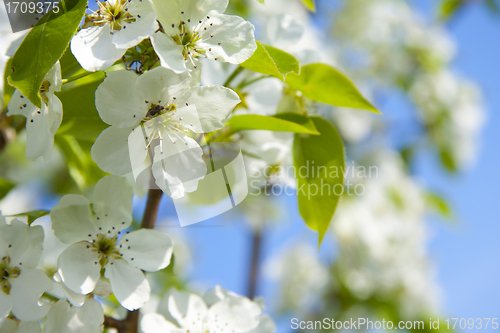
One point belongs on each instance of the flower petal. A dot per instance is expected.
(187, 309)
(154, 323)
(143, 26)
(112, 203)
(178, 165)
(25, 243)
(160, 86)
(86, 319)
(266, 325)
(94, 49)
(72, 219)
(20, 104)
(26, 290)
(197, 10)
(168, 13)
(150, 249)
(239, 313)
(233, 39)
(189, 118)
(129, 284)
(29, 327)
(8, 325)
(116, 103)
(213, 104)
(111, 151)
(169, 52)
(5, 305)
(74, 298)
(79, 268)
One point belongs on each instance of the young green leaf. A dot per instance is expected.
(81, 167)
(32, 215)
(323, 83)
(43, 46)
(294, 123)
(448, 8)
(5, 187)
(261, 1)
(81, 118)
(272, 61)
(319, 164)
(309, 4)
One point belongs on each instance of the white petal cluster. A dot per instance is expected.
(99, 241)
(382, 239)
(452, 109)
(107, 33)
(218, 311)
(301, 275)
(41, 123)
(157, 112)
(198, 29)
(21, 284)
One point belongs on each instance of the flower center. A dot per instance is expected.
(44, 88)
(107, 247)
(7, 272)
(188, 40)
(115, 14)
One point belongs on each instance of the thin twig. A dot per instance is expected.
(254, 263)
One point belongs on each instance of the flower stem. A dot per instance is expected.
(78, 77)
(233, 76)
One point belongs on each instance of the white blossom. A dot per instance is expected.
(157, 111)
(63, 318)
(41, 123)
(107, 33)
(98, 238)
(198, 28)
(217, 311)
(21, 284)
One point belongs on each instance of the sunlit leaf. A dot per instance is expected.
(43, 46)
(5, 187)
(81, 118)
(319, 164)
(272, 61)
(289, 122)
(323, 83)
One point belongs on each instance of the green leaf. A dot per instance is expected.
(80, 165)
(309, 4)
(439, 204)
(81, 118)
(325, 84)
(8, 90)
(32, 215)
(286, 122)
(272, 61)
(43, 46)
(319, 164)
(448, 8)
(5, 187)
(69, 65)
(261, 1)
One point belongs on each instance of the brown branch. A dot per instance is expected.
(131, 323)
(152, 205)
